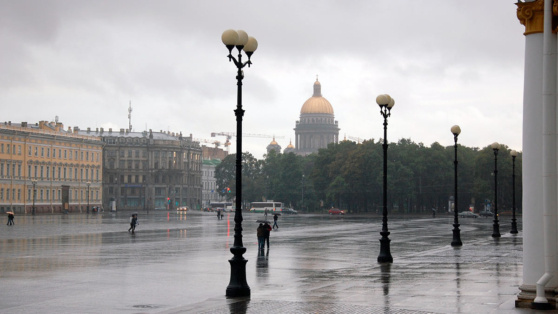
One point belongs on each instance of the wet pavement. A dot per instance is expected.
(178, 263)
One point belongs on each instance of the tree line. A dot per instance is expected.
(348, 175)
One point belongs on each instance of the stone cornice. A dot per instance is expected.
(531, 14)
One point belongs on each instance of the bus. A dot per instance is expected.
(223, 206)
(271, 206)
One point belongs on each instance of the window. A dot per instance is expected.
(19, 170)
(65, 173)
(28, 151)
(47, 195)
(8, 147)
(54, 153)
(87, 156)
(36, 151)
(65, 154)
(2, 148)
(1, 169)
(71, 154)
(36, 172)
(70, 172)
(75, 173)
(42, 152)
(42, 168)
(48, 152)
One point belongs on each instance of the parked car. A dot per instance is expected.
(289, 211)
(336, 211)
(486, 213)
(468, 214)
(182, 209)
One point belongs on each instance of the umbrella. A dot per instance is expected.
(10, 213)
(135, 213)
(263, 221)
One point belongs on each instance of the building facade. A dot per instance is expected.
(45, 169)
(150, 170)
(317, 126)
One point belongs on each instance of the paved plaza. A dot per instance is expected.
(178, 263)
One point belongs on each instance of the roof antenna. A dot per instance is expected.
(130, 116)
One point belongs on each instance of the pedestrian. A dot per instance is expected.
(10, 218)
(266, 232)
(265, 213)
(133, 223)
(218, 214)
(433, 212)
(275, 217)
(260, 234)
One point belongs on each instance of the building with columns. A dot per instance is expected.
(150, 170)
(540, 164)
(317, 126)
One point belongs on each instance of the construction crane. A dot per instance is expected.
(229, 135)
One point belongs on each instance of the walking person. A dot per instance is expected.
(10, 218)
(260, 235)
(275, 217)
(218, 214)
(133, 223)
(266, 232)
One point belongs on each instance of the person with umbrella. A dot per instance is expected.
(10, 218)
(133, 222)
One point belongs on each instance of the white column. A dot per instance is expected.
(533, 249)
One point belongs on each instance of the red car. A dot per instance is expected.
(336, 211)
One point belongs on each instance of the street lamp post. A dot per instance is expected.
(386, 103)
(514, 222)
(456, 130)
(88, 186)
(495, 227)
(238, 287)
(302, 203)
(34, 182)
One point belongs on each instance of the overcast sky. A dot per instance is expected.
(444, 62)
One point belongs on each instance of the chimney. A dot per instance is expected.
(88, 130)
(23, 124)
(110, 130)
(121, 131)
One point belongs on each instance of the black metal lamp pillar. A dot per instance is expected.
(456, 130)
(514, 222)
(34, 182)
(386, 103)
(238, 287)
(495, 227)
(88, 189)
(302, 203)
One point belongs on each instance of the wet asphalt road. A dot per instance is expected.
(178, 263)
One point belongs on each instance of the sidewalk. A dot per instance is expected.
(316, 264)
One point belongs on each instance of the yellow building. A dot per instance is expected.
(46, 169)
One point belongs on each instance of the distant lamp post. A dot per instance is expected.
(302, 203)
(34, 182)
(386, 103)
(495, 227)
(238, 287)
(88, 186)
(456, 130)
(514, 222)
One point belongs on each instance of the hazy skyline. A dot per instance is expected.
(444, 63)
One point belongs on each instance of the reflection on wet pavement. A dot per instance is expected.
(178, 262)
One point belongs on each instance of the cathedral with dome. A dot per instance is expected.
(315, 129)
(317, 126)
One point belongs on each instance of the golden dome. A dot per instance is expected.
(317, 103)
(290, 145)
